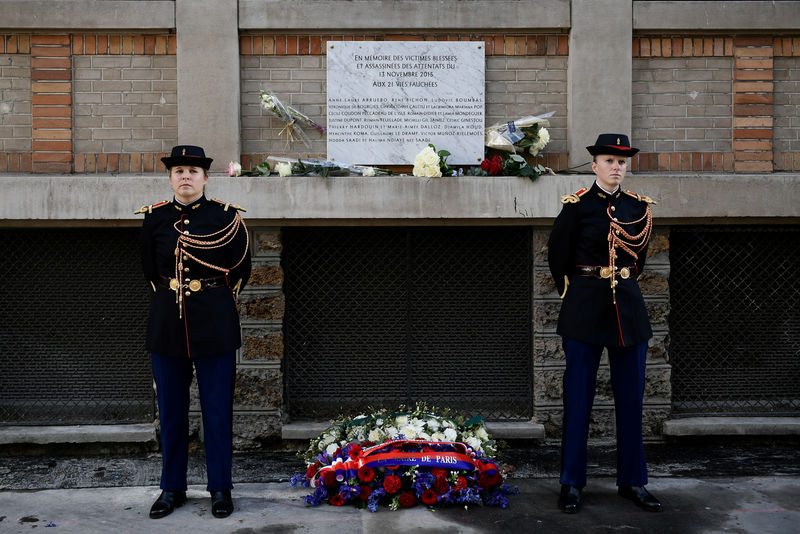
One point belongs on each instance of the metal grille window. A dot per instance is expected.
(735, 320)
(73, 317)
(384, 316)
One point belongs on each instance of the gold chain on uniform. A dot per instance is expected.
(618, 237)
(205, 242)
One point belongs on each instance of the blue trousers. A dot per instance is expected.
(627, 380)
(215, 379)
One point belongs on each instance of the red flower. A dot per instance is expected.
(407, 500)
(366, 473)
(365, 493)
(440, 485)
(461, 484)
(312, 470)
(429, 497)
(367, 444)
(329, 478)
(439, 472)
(354, 452)
(391, 483)
(495, 165)
(487, 481)
(337, 500)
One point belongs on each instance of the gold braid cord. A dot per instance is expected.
(219, 239)
(618, 237)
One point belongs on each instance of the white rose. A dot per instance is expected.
(433, 424)
(391, 432)
(482, 434)
(409, 432)
(368, 171)
(438, 436)
(375, 435)
(234, 169)
(431, 157)
(450, 434)
(284, 169)
(332, 448)
(433, 172)
(401, 420)
(419, 170)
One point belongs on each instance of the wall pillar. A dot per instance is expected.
(208, 77)
(599, 74)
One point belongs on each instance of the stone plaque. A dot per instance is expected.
(388, 100)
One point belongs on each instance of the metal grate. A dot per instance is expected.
(735, 320)
(385, 316)
(73, 320)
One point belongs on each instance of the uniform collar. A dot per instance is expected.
(605, 195)
(184, 208)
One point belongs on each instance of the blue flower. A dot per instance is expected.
(299, 479)
(316, 498)
(374, 498)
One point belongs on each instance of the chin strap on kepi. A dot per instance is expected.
(390, 454)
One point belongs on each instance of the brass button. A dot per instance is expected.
(617, 232)
(188, 293)
(613, 209)
(186, 231)
(185, 258)
(616, 220)
(186, 221)
(186, 269)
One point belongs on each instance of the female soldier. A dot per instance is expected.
(596, 251)
(195, 254)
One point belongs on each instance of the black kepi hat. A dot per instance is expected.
(187, 155)
(611, 143)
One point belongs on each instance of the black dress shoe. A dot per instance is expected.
(641, 497)
(221, 503)
(166, 503)
(569, 499)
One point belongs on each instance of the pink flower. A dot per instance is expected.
(234, 169)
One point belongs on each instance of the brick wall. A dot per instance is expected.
(15, 103)
(125, 103)
(525, 75)
(787, 114)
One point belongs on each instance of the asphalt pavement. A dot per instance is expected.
(726, 486)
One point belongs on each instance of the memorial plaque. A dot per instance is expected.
(388, 100)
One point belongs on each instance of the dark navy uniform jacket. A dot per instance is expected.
(580, 237)
(210, 319)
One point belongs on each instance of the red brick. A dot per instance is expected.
(752, 166)
(697, 161)
(113, 163)
(752, 110)
(11, 44)
(291, 46)
(161, 45)
(697, 46)
(59, 157)
(644, 47)
(258, 45)
(102, 163)
(138, 44)
(50, 40)
(750, 98)
(752, 145)
(91, 163)
(686, 161)
(102, 44)
(45, 99)
(675, 161)
(47, 167)
(303, 45)
(666, 47)
(280, 45)
(655, 48)
(708, 158)
(663, 162)
(677, 47)
(753, 52)
(246, 45)
(708, 47)
(752, 133)
(149, 44)
(51, 134)
(753, 40)
(14, 164)
(759, 75)
(50, 63)
(124, 163)
(315, 46)
(136, 162)
(3, 162)
(127, 44)
(26, 162)
(764, 155)
(77, 44)
(719, 46)
(563, 45)
(90, 44)
(79, 162)
(51, 87)
(51, 146)
(148, 163)
(50, 51)
(114, 44)
(48, 74)
(717, 162)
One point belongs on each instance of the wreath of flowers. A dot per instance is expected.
(401, 459)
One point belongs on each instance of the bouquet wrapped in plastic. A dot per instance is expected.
(290, 116)
(528, 133)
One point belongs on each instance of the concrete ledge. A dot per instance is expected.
(715, 15)
(99, 200)
(408, 15)
(732, 426)
(141, 433)
(87, 14)
(500, 430)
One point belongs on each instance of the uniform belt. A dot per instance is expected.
(604, 271)
(197, 284)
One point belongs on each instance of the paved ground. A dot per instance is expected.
(738, 487)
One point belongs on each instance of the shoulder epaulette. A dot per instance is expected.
(574, 197)
(151, 207)
(228, 205)
(640, 198)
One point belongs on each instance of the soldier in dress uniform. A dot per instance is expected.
(596, 251)
(196, 256)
